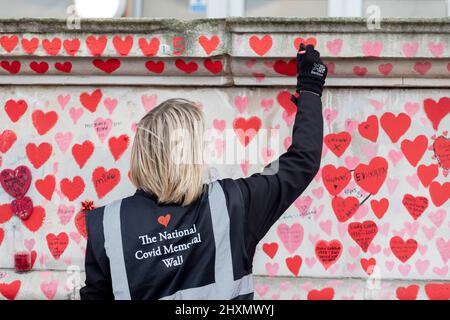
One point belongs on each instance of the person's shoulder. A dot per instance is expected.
(229, 186)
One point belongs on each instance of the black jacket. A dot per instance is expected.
(137, 249)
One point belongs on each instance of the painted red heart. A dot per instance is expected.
(12, 67)
(108, 65)
(288, 68)
(368, 265)
(16, 182)
(335, 179)
(118, 145)
(427, 174)
(164, 220)
(436, 111)
(39, 67)
(414, 149)
(379, 207)
(338, 142)
(407, 293)
(395, 126)
(15, 109)
(294, 264)
(5, 212)
(80, 223)
(123, 46)
(72, 189)
(38, 155)
(30, 45)
(155, 66)
(439, 193)
(71, 46)
(95, 45)
(10, 290)
(91, 100)
(209, 45)
(104, 181)
(64, 66)
(363, 233)
(284, 99)
(441, 147)
(246, 129)
(57, 244)
(35, 221)
(9, 42)
(403, 250)
(214, 67)
(372, 176)
(187, 67)
(309, 41)
(44, 121)
(270, 249)
(415, 205)
(46, 186)
(344, 208)
(7, 139)
(52, 46)
(149, 48)
(82, 152)
(2, 235)
(22, 208)
(438, 291)
(369, 129)
(328, 252)
(324, 294)
(260, 46)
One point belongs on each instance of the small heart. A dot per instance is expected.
(22, 207)
(164, 220)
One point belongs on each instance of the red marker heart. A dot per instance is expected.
(22, 207)
(164, 220)
(16, 182)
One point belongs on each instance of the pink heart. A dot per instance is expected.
(404, 269)
(49, 289)
(437, 217)
(289, 119)
(443, 247)
(241, 103)
(110, 104)
(411, 108)
(334, 46)
(65, 213)
(134, 127)
(410, 49)
(149, 101)
(318, 192)
(250, 63)
(326, 226)
(266, 104)
(389, 265)
(411, 228)
(436, 49)
(287, 142)
(285, 285)
(429, 232)
(219, 145)
(413, 181)
(422, 266)
(422, 249)
(271, 269)
(318, 211)
(329, 115)
(267, 154)
(313, 238)
(307, 286)
(219, 125)
(350, 125)
(370, 150)
(342, 229)
(361, 212)
(63, 140)
(291, 237)
(245, 166)
(395, 156)
(354, 251)
(261, 290)
(384, 229)
(310, 262)
(102, 128)
(75, 114)
(29, 244)
(387, 251)
(378, 105)
(63, 101)
(372, 48)
(302, 204)
(351, 267)
(351, 161)
(441, 271)
(374, 248)
(332, 270)
(75, 236)
(392, 185)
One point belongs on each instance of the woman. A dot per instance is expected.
(177, 238)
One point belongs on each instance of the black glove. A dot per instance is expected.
(311, 71)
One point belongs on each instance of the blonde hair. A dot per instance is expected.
(167, 153)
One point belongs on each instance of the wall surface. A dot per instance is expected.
(373, 224)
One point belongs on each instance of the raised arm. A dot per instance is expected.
(268, 195)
